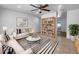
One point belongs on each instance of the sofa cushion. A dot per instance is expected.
(19, 36)
(2, 40)
(1, 37)
(15, 45)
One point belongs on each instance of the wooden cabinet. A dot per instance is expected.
(48, 26)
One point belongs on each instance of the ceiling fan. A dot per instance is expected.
(40, 8)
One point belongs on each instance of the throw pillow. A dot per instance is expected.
(7, 38)
(7, 49)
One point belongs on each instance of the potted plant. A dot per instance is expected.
(73, 29)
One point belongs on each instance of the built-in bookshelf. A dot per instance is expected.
(48, 26)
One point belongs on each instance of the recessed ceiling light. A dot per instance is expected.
(18, 6)
(37, 12)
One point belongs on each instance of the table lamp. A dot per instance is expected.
(4, 29)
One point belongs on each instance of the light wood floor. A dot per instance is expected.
(65, 46)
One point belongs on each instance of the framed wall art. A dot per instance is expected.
(21, 22)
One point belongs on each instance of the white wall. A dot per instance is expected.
(72, 18)
(49, 15)
(8, 18)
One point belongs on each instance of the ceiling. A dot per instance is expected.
(26, 8)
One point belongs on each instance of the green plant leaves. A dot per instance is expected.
(74, 29)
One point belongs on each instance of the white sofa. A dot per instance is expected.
(15, 45)
(19, 36)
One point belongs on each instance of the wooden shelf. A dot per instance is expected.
(48, 26)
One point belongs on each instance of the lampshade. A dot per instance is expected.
(4, 28)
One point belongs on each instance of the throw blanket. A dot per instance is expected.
(7, 50)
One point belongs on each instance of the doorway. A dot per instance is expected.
(61, 24)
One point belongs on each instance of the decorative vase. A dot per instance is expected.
(73, 38)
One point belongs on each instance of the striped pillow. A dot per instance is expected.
(7, 38)
(7, 50)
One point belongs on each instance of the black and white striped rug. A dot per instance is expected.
(45, 46)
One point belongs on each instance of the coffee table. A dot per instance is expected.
(31, 39)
